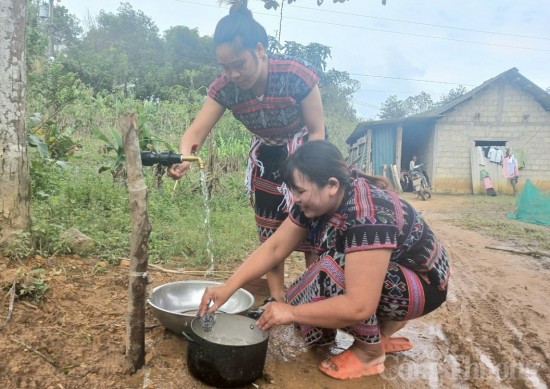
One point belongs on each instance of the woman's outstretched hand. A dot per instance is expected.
(213, 298)
(275, 313)
(178, 171)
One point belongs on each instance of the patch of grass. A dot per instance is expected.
(83, 199)
(488, 215)
(18, 247)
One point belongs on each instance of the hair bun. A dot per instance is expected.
(238, 7)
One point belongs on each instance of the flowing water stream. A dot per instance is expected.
(207, 221)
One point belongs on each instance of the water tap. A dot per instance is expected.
(168, 158)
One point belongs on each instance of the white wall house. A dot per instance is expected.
(453, 140)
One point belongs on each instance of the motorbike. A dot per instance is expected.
(417, 181)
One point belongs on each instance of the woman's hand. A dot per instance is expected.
(178, 171)
(275, 314)
(213, 298)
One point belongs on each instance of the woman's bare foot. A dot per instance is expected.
(360, 360)
(368, 353)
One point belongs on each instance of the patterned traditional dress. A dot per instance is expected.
(371, 218)
(278, 126)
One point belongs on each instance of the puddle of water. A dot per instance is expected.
(532, 376)
(486, 360)
(451, 297)
(343, 340)
(514, 330)
(437, 331)
(433, 376)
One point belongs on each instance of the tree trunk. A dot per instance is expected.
(138, 280)
(14, 164)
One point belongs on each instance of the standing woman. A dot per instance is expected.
(277, 98)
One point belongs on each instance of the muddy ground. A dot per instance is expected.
(493, 332)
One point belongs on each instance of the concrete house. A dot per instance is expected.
(459, 140)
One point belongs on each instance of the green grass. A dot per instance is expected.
(488, 215)
(79, 197)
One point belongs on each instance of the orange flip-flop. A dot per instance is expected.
(346, 366)
(396, 344)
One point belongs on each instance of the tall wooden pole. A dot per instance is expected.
(141, 228)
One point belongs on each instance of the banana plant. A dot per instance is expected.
(113, 142)
(53, 143)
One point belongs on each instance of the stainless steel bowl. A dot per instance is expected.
(175, 304)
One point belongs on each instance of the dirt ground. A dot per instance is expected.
(491, 333)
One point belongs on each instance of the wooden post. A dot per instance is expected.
(139, 241)
(398, 147)
(396, 178)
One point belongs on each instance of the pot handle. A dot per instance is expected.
(255, 313)
(187, 336)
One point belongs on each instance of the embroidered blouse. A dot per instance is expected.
(277, 116)
(372, 218)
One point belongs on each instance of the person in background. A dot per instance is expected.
(414, 163)
(511, 169)
(277, 98)
(380, 264)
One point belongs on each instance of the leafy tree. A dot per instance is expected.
(119, 52)
(36, 37)
(393, 108)
(269, 4)
(273, 4)
(452, 94)
(419, 103)
(337, 88)
(185, 48)
(67, 29)
(315, 53)
(191, 58)
(337, 91)
(52, 87)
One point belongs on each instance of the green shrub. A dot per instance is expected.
(32, 285)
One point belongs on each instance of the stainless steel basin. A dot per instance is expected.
(175, 304)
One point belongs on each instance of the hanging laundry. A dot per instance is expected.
(487, 183)
(492, 154)
(499, 155)
(480, 156)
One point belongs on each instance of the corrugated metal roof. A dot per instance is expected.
(408, 122)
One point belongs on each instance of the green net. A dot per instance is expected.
(532, 205)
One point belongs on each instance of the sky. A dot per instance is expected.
(403, 48)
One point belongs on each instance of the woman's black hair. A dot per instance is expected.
(319, 160)
(240, 29)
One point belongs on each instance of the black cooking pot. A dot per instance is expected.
(231, 355)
